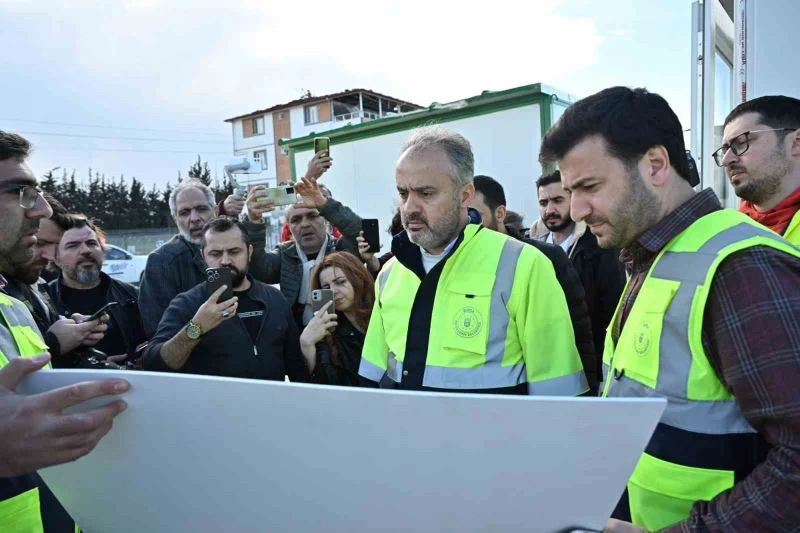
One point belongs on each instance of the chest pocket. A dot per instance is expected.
(466, 321)
(638, 350)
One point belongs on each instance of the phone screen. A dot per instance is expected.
(322, 144)
(371, 233)
(216, 278)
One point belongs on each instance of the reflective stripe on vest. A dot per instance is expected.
(469, 344)
(659, 353)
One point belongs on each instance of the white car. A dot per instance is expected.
(123, 265)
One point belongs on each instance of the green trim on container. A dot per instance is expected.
(485, 103)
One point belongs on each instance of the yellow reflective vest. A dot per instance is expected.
(792, 233)
(490, 317)
(24, 506)
(703, 443)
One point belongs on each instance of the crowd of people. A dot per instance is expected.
(629, 284)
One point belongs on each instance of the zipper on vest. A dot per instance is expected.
(255, 350)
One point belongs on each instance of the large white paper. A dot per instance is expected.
(195, 453)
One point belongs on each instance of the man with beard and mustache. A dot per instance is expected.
(460, 307)
(708, 321)
(65, 337)
(600, 270)
(251, 335)
(83, 288)
(38, 430)
(290, 263)
(761, 155)
(177, 266)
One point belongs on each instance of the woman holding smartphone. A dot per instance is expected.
(332, 340)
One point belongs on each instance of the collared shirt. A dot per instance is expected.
(565, 244)
(751, 336)
(431, 260)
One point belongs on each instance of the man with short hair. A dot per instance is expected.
(84, 288)
(708, 321)
(177, 266)
(66, 338)
(460, 307)
(251, 335)
(600, 270)
(490, 202)
(761, 155)
(292, 262)
(35, 430)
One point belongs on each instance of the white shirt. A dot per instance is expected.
(431, 260)
(565, 244)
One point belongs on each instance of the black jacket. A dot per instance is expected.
(175, 267)
(603, 278)
(125, 316)
(228, 350)
(578, 310)
(348, 343)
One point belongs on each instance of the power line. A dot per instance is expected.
(108, 127)
(82, 149)
(148, 139)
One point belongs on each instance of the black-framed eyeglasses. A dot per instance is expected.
(28, 194)
(740, 144)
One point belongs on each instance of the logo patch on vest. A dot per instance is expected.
(468, 322)
(642, 341)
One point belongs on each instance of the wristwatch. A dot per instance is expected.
(193, 331)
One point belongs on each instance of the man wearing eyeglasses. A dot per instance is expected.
(761, 156)
(35, 432)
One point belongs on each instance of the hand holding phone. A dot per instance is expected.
(100, 312)
(369, 226)
(216, 278)
(322, 144)
(320, 297)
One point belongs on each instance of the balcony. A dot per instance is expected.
(359, 116)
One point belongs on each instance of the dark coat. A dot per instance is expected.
(603, 278)
(578, 310)
(228, 350)
(125, 316)
(175, 267)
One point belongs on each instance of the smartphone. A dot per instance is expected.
(283, 195)
(371, 233)
(216, 278)
(322, 144)
(100, 312)
(319, 297)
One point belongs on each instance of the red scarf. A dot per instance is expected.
(777, 218)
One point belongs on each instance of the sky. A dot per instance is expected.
(141, 87)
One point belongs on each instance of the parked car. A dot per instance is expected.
(122, 265)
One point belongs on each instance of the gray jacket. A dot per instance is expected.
(283, 265)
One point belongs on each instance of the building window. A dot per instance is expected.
(253, 126)
(281, 115)
(310, 113)
(262, 155)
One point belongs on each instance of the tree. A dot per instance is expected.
(199, 170)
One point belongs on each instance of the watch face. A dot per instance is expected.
(193, 331)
